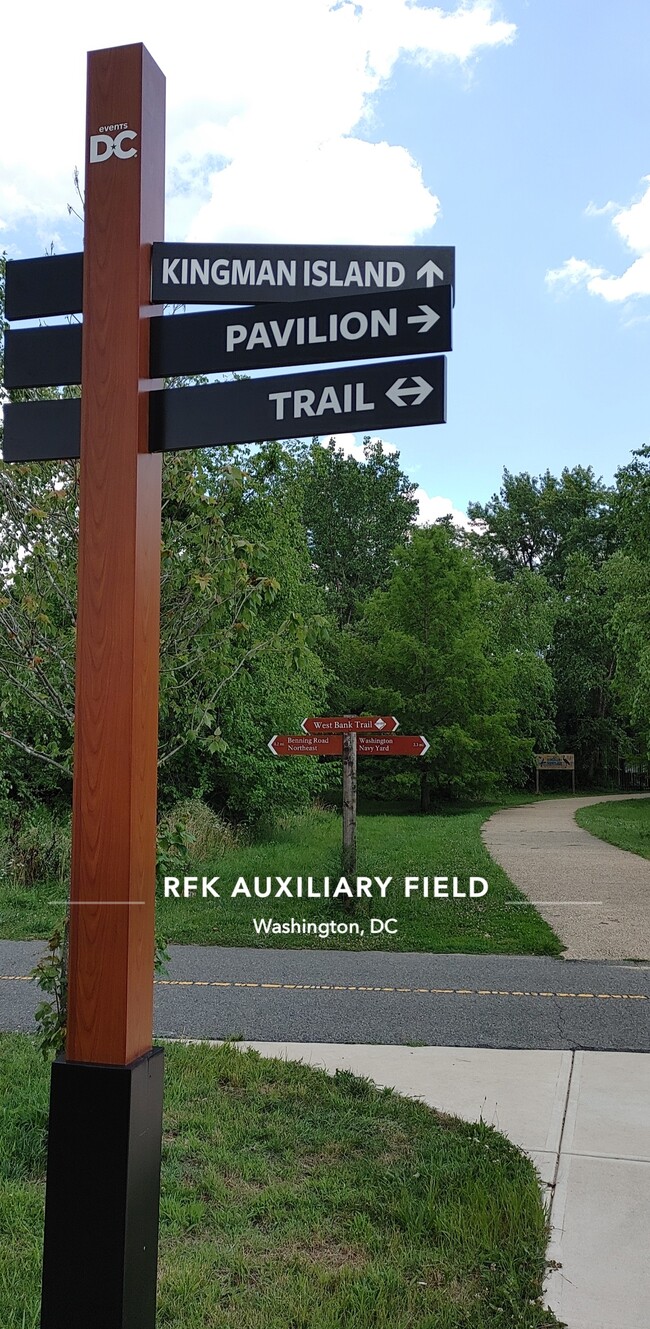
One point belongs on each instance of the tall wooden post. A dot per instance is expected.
(349, 804)
(106, 1098)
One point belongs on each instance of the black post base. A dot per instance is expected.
(102, 1196)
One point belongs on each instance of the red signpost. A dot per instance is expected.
(349, 736)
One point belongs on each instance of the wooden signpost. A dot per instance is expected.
(349, 737)
(101, 1218)
(104, 1139)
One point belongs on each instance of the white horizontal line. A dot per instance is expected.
(77, 903)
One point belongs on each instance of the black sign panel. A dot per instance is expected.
(40, 287)
(355, 327)
(361, 327)
(43, 357)
(42, 430)
(258, 274)
(387, 395)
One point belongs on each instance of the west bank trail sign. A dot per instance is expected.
(310, 305)
(349, 737)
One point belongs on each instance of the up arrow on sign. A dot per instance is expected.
(429, 271)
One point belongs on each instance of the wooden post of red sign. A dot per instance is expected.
(349, 804)
(103, 1176)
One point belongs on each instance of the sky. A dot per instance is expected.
(516, 131)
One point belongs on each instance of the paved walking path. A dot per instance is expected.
(582, 1117)
(595, 897)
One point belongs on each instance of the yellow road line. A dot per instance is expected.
(350, 987)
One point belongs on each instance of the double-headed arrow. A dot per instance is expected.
(297, 405)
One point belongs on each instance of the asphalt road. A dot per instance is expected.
(331, 996)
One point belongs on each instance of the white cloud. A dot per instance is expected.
(269, 110)
(633, 226)
(433, 507)
(592, 209)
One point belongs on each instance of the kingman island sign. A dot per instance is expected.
(311, 305)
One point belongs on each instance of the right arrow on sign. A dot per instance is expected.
(397, 392)
(392, 745)
(427, 318)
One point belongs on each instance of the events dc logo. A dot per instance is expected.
(107, 144)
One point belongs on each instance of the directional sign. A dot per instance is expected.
(40, 287)
(254, 274)
(306, 745)
(350, 724)
(386, 395)
(331, 745)
(351, 327)
(392, 745)
(237, 274)
(555, 761)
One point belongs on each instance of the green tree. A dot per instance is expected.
(564, 531)
(538, 522)
(221, 610)
(422, 652)
(583, 662)
(628, 575)
(355, 513)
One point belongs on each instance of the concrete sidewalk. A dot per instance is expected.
(582, 1117)
(595, 897)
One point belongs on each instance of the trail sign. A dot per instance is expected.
(349, 724)
(254, 274)
(306, 745)
(331, 745)
(392, 745)
(351, 327)
(349, 736)
(555, 761)
(386, 395)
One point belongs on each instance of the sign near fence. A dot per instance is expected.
(555, 761)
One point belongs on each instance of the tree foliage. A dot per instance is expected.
(355, 513)
(422, 652)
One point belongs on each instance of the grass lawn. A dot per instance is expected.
(293, 1200)
(448, 844)
(625, 824)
